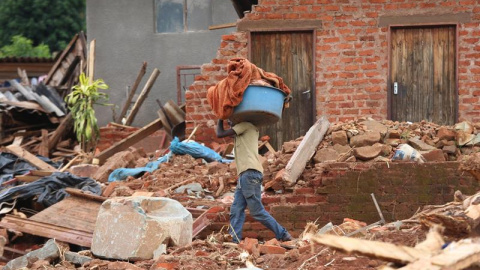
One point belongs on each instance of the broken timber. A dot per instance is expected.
(142, 97)
(30, 158)
(129, 141)
(387, 251)
(140, 75)
(305, 151)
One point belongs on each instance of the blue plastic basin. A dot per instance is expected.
(261, 105)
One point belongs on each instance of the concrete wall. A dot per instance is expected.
(125, 37)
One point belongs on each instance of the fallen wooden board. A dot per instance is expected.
(27, 178)
(30, 158)
(68, 235)
(458, 255)
(376, 249)
(130, 140)
(305, 151)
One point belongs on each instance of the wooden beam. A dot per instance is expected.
(28, 178)
(77, 237)
(24, 154)
(91, 60)
(381, 250)
(129, 141)
(43, 149)
(142, 97)
(59, 133)
(305, 151)
(78, 193)
(221, 26)
(140, 75)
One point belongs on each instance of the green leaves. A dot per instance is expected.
(22, 47)
(80, 102)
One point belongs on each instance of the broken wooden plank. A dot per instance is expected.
(30, 158)
(91, 60)
(72, 236)
(78, 193)
(200, 223)
(41, 173)
(305, 151)
(140, 75)
(457, 255)
(376, 249)
(221, 26)
(27, 178)
(43, 149)
(143, 96)
(72, 212)
(18, 140)
(129, 141)
(62, 129)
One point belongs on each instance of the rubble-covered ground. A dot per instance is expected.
(210, 184)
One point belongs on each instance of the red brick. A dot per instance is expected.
(269, 249)
(248, 243)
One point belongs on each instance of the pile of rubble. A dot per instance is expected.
(200, 186)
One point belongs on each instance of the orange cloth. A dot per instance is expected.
(228, 93)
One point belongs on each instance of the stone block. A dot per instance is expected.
(339, 137)
(434, 155)
(133, 228)
(325, 154)
(368, 138)
(84, 170)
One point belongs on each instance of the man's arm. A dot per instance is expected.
(221, 132)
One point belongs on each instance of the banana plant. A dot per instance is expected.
(80, 101)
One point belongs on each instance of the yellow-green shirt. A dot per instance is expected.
(246, 147)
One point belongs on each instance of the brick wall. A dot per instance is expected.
(342, 190)
(351, 55)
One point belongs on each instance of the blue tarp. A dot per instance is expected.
(123, 173)
(177, 147)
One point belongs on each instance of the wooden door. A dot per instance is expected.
(423, 79)
(290, 56)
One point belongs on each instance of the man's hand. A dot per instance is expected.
(221, 132)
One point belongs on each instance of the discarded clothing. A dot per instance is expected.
(11, 165)
(51, 189)
(228, 93)
(123, 173)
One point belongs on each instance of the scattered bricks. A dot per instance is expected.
(289, 147)
(340, 137)
(306, 249)
(368, 152)
(450, 149)
(369, 138)
(434, 155)
(109, 190)
(325, 154)
(163, 266)
(248, 244)
(446, 134)
(270, 249)
(272, 242)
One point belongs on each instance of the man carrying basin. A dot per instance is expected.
(248, 97)
(248, 191)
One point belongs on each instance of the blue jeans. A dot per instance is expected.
(248, 194)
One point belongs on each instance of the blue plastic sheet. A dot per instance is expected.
(177, 147)
(194, 149)
(123, 173)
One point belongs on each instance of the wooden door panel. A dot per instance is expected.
(423, 66)
(290, 56)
